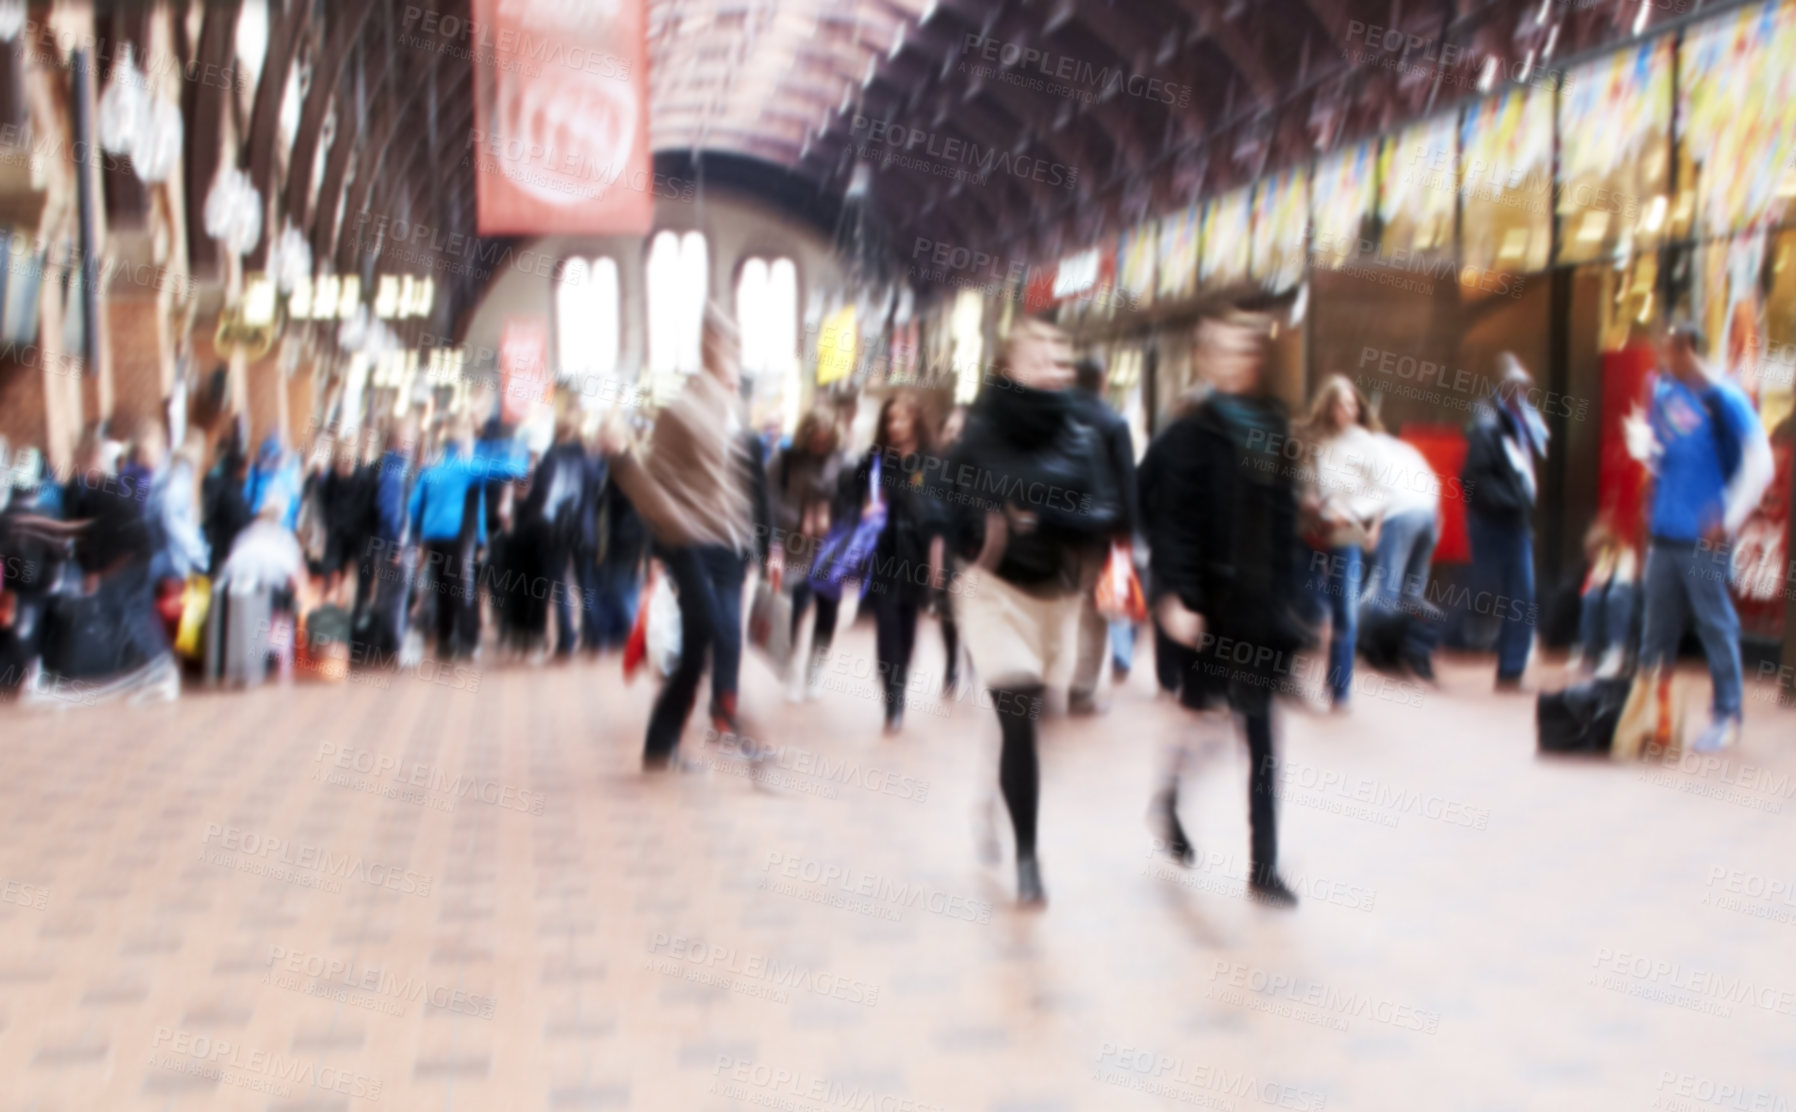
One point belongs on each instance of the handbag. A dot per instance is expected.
(1652, 721)
(849, 548)
(770, 626)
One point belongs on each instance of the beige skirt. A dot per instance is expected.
(1016, 639)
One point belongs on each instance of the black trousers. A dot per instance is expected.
(708, 581)
(823, 628)
(453, 577)
(895, 614)
(1262, 784)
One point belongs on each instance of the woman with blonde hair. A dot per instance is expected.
(1342, 503)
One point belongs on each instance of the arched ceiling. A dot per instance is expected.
(810, 87)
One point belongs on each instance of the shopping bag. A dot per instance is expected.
(196, 602)
(1652, 722)
(1119, 597)
(770, 626)
(636, 648)
(664, 628)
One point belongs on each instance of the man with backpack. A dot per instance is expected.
(1711, 462)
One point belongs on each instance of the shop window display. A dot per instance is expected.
(1614, 180)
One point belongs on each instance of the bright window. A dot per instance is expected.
(767, 309)
(586, 318)
(678, 281)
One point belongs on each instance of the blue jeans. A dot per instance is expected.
(1399, 572)
(1606, 617)
(1503, 563)
(1334, 583)
(1688, 582)
(1122, 645)
(616, 591)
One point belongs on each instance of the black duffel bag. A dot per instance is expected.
(1582, 718)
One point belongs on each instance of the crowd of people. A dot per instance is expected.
(1013, 520)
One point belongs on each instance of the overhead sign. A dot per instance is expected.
(561, 119)
(836, 346)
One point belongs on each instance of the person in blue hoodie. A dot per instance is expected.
(274, 470)
(452, 536)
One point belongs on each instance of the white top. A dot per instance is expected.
(1343, 474)
(1406, 477)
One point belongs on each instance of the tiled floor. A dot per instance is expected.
(458, 892)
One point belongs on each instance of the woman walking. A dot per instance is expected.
(907, 562)
(806, 480)
(1033, 512)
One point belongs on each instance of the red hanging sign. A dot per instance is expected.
(561, 117)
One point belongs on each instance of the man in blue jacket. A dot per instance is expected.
(1711, 462)
(452, 537)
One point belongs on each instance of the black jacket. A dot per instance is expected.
(1221, 518)
(1037, 453)
(569, 476)
(914, 516)
(1119, 450)
(1494, 489)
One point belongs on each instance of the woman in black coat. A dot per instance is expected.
(907, 562)
(1033, 512)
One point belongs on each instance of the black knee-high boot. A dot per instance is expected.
(1019, 776)
(1261, 808)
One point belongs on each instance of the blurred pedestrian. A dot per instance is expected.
(1504, 442)
(1033, 514)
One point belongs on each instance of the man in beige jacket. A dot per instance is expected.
(700, 485)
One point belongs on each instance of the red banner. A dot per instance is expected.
(561, 117)
(524, 377)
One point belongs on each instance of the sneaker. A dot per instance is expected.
(1029, 892)
(1610, 666)
(160, 682)
(1721, 734)
(813, 677)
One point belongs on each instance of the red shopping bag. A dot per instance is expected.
(636, 649)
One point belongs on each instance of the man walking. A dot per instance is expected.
(1711, 463)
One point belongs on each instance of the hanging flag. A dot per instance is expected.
(561, 119)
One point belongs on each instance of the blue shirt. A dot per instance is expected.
(441, 492)
(1690, 496)
(281, 475)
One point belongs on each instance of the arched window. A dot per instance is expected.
(586, 318)
(767, 311)
(678, 280)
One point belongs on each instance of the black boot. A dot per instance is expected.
(1029, 892)
(1269, 888)
(1170, 831)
